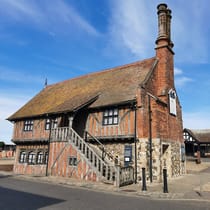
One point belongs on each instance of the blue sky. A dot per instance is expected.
(61, 39)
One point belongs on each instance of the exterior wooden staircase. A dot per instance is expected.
(105, 169)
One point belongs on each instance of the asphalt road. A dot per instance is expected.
(17, 194)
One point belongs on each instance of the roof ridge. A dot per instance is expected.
(201, 130)
(103, 71)
(117, 85)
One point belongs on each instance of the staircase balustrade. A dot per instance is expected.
(105, 169)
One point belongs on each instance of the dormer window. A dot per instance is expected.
(110, 117)
(28, 125)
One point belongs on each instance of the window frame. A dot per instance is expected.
(54, 123)
(46, 157)
(40, 157)
(110, 116)
(32, 158)
(23, 156)
(28, 125)
(47, 124)
(72, 161)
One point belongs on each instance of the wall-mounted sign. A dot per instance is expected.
(127, 155)
(172, 102)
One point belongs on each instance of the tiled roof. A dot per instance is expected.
(201, 135)
(107, 87)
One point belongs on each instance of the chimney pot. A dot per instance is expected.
(164, 24)
(161, 7)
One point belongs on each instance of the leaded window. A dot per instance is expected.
(22, 157)
(110, 117)
(45, 157)
(73, 161)
(32, 157)
(40, 157)
(54, 123)
(28, 125)
(47, 124)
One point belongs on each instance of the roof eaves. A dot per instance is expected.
(192, 134)
(116, 104)
(86, 103)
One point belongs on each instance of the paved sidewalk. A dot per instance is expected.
(193, 186)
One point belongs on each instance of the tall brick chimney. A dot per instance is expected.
(164, 26)
(164, 52)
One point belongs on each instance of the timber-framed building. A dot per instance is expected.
(95, 126)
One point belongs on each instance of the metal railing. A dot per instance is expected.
(126, 176)
(104, 151)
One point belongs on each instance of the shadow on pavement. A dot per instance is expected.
(17, 200)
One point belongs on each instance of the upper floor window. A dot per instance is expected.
(110, 117)
(54, 123)
(28, 125)
(47, 124)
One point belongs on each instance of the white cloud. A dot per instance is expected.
(19, 9)
(51, 16)
(196, 120)
(134, 27)
(6, 131)
(180, 79)
(8, 105)
(8, 74)
(131, 27)
(188, 29)
(177, 71)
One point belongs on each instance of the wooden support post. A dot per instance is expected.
(198, 161)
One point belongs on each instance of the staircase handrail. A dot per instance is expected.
(69, 135)
(103, 147)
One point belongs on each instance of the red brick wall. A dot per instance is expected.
(59, 163)
(125, 126)
(164, 76)
(25, 168)
(164, 70)
(164, 125)
(38, 131)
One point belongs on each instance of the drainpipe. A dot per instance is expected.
(157, 100)
(150, 137)
(135, 140)
(49, 147)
